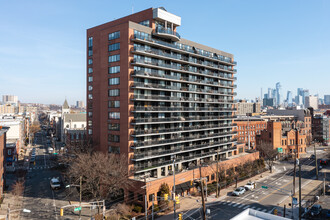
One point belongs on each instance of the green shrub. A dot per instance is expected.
(137, 208)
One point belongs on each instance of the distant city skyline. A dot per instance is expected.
(42, 53)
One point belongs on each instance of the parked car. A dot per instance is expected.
(315, 210)
(55, 183)
(250, 186)
(32, 159)
(239, 191)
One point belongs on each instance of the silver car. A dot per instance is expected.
(239, 191)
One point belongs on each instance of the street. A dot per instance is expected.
(43, 202)
(276, 189)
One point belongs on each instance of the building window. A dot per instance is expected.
(90, 123)
(90, 61)
(114, 115)
(130, 195)
(114, 69)
(90, 88)
(114, 150)
(114, 127)
(115, 46)
(9, 151)
(90, 46)
(113, 92)
(90, 70)
(150, 196)
(114, 58)
(90, 131)
(114, 104)
(90, 114)
(114, 35)
(90, 79)
(114, 138)
(145, 23)
(140, 197)
(90, 96)
(113, 81)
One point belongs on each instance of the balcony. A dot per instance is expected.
(181, 109)
(152, 165)
(180, 49)
(141, 132)
(179, 67)
(180, 89)
(193, 147)
(180, 119)
(180, 99)
(142, 144)
(167, 33)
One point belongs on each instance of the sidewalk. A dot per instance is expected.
(14, 201)
(190, 202)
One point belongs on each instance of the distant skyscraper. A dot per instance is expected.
(10, 99)
(289, 98)
(80, 104)
(311, 101)
(304, 95)
(327, 99)
(270, 93)
(278, 93)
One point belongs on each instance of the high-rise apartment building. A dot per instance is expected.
(154, 96)
(80, 104)
(278, 93)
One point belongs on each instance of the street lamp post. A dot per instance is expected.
(80, 194)
(15, 210)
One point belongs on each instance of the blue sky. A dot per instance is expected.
(42, 49)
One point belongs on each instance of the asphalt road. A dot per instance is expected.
(43, 202)
(279, 188)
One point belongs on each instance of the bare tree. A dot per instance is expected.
(35, 127)
(17, 191)
(268, 153)
(103, 175)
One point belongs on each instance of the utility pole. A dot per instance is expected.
(80, 196)
(324, 184)
(249, 144)
(217, 174)
(174, 211)
(202, 192)
(8, 212)
(316, 168)
(145, 206)
(152, 213)
(294, 175)
(299, 191)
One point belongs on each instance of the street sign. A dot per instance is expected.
(280, 150)
(264, 187)
(77, 209)
(55, 153)
(295, 201)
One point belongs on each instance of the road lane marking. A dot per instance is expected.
(235, 204)
(274, 191)
(258, 209)
(246, 207)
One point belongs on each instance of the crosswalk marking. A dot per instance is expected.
(241, 206)
(258, 209)
(246, 207)
(235, 204)
(270, 211)
(230, 204)
(253, 207)
(264, 210)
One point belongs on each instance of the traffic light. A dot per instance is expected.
(191, 182)
(180, 216)
(177, 200)
(61, 212)
(165, 197)
(275, 211)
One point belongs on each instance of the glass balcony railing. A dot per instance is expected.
(183, 109)
(187, 79)
(190, 50)
(161, 30)
(196, 118)
(151, 165)
(140, 155)
(184, 99)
